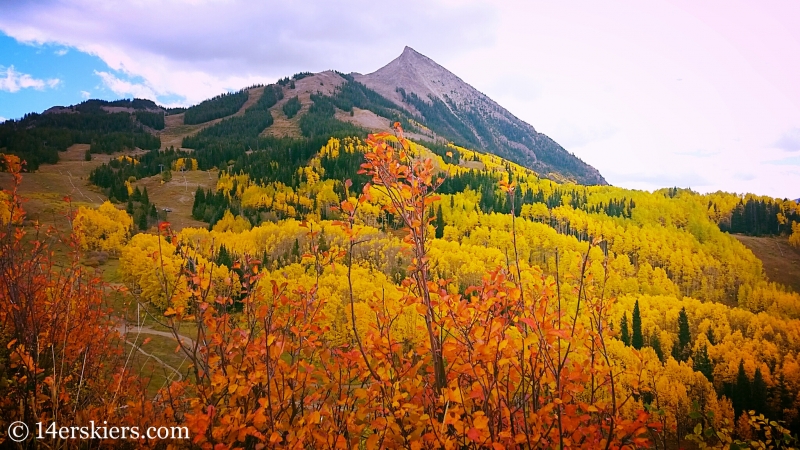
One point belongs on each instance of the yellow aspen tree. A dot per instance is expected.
(105, 228)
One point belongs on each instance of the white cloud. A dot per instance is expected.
(85, 94)
(61, 52)
(198, 49)
(789, 141)
(12, 81)
(574, 135)
(125, 88)
(2, 119)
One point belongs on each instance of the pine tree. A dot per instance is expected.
(711, 339)
(137, 194)
(637, 340)
(145, 198)
(624, 335)
(224, 257)
(439, 223)
(199, 202)
(129, 207)
(758, 393)
(153, 211)
(655, 343)
(296, 250)
(741, 391)
(681, 349)
(142, 221)
(703, 364)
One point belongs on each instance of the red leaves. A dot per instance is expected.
(474, 434)
(57, 330)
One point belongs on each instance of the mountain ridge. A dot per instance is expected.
(432, 103)
(412, 79)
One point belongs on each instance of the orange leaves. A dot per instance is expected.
(474, 435)
(62, 356)
(348, 207)
(507, 187)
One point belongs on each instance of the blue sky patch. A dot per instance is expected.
(36, 77)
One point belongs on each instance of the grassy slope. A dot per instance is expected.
(46, 188)
(175, 130)
(178, 195)
(781, 260)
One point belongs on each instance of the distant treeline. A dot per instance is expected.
(94, 105)
(286, 81)
(291, 107)
(496, 201)
(220, 106)
(154, 120)
(37, 138)
(237, 131)
(320, 118)
(112, 176)
(117, 141)
(759, 218)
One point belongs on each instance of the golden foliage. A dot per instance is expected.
(161, 276)
(184, 164)
(229, 223)
(105, 228)
(794, 239)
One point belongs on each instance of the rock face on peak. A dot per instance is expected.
(416, 73)
(456, 111)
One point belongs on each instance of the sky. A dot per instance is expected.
(653, 94)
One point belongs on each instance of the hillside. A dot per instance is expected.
(781, 260)
(433, 104)
(107, 127)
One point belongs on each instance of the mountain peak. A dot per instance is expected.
(408, 51)
(417, 74)
(466, 116)
(411, 54)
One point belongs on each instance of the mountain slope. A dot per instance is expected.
(457, 111)
(433, 104)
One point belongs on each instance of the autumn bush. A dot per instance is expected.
(103, 229)
(61, 358)
(507, 364)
